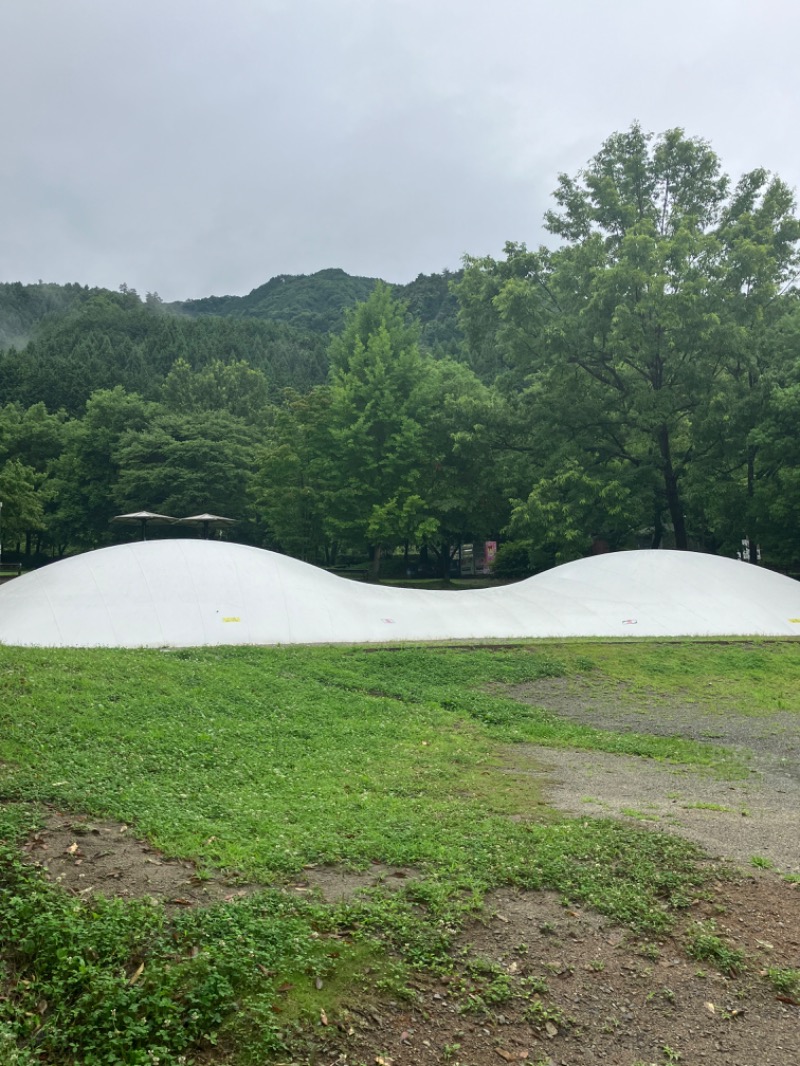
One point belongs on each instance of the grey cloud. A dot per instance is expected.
(197, 147)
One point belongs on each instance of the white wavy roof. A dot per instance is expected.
(187, 593)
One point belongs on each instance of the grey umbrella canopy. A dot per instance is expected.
(207, 520)
(143, 517)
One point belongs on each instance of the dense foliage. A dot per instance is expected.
(637, 385)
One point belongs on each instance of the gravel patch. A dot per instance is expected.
(739, 820)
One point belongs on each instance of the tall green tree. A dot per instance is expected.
(233, 387)
(379, 404)
(23, 503)
(85, 475)
(186, 464)
(31, 443)
(758, 234)
(295, 478)
(622, 336)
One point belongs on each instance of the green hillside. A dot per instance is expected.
(318, 302)
(309, 301)
(23, 307)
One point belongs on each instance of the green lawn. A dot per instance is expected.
(262, 760)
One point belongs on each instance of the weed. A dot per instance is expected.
(643, 816)
(649, 951)
(663, 993)
(491, 986)
(611, 1025)
(785, 981)
(761, 862)
(704, 945)
(539, 1014)
(706, 807)
(535, 985)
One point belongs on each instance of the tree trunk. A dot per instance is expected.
(752, 547)
(672, 490)
(444, 561)
(375, 567)
(658, 526)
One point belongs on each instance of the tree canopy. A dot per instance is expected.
(639, 344)
(634, 383)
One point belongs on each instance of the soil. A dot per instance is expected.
(537, 981)
(97, 857)
(605, 999)
(92, 856)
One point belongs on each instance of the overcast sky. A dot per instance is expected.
(192, 147)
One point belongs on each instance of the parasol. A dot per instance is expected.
(143, 517)
(207, 521)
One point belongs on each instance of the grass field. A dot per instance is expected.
(263, 761)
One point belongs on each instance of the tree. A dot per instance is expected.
(460, 482)
(86, 473)
(759, 235)
(233, 387)
(622, 336)
(185, 464)
(379, 405)
(31, 442)
(23, 503)
(294, 478)
(31, 435)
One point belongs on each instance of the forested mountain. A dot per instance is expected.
(22, 307)
(314, 302)
(60, 342)
(430, 300)
(317, 302)
(110, 339)
(638, 384)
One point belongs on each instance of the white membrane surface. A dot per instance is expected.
(188, 593)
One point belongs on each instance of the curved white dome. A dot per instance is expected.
(187, 593)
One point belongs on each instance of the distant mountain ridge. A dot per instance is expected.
(312, 303)
(309, 301)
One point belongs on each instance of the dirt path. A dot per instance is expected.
(754, 820)
(758, 817)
